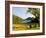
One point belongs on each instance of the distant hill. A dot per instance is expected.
(29, 19)
(17, 19)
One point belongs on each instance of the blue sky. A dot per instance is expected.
(21, 12)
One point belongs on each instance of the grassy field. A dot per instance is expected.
(23, 27)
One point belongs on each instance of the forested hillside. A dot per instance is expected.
(16, 19)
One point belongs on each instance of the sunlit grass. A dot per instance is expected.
(24, 27)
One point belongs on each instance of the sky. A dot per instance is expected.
(21, 12)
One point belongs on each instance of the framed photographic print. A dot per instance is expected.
(24, 18)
